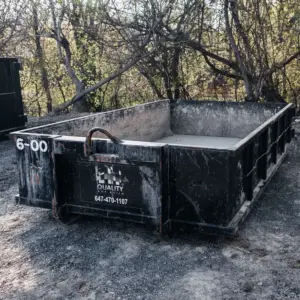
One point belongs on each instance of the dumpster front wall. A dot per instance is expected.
(147, 122)
(123, 180)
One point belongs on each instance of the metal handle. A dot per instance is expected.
(88, 141)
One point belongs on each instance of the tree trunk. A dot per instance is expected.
(175, 72)
(244, 72)
(270, 93)
(62, 43)
(82, 105)
(41, 59)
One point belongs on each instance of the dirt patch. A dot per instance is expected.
(92, 259)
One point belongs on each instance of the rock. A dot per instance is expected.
(248, 286)
(200, 249)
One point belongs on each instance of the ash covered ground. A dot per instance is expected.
(92, 259)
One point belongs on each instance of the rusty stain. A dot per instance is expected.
(37, 179)
(54, 208)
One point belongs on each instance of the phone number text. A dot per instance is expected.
(112, 200)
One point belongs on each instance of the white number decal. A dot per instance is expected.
(43, 146)
(20, 144)
(34, 145)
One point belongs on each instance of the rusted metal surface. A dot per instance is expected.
(173, 186)
(88, 142)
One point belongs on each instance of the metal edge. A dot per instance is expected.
(112, 214)
(95, 114)
(24, 133)
(11, 130)
(32, 202)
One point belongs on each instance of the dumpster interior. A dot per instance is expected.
(199, 141)
(208, 124)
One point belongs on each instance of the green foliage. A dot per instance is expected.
(99, 45)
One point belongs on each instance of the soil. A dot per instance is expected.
(41, 258)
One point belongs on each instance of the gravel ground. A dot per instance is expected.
(92, 259)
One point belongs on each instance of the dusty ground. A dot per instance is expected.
(42, 259)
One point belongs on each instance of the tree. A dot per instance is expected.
(254, 61)
(141, 42)
(40, 57)
(95, 55)
(10, 31)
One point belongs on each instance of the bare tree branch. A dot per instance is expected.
(120, 71)
(114, 75)
(282, 64)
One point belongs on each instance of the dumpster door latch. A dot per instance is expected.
(88, 142)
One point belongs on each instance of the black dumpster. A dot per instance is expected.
(11, 107)
(187, 165)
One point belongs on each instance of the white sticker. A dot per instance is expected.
(110, 182)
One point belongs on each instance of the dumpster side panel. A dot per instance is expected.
(236, 192)
(262, 150)
(259, 156)
(199, 181)
(35, 165)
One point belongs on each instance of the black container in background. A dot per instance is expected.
(11, 106)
